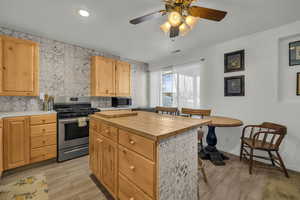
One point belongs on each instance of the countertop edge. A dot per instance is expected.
(147, 135)
(25, 113)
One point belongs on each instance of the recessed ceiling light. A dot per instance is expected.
(83, 13)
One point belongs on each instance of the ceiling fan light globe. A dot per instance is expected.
(191, 21)
(175, 18)
(184, 29)
(165, 27)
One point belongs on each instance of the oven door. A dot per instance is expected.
(70, 134)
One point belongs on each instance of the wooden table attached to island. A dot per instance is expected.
(147, 156)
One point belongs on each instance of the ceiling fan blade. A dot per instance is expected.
(207, 13)
(174, 31)
(147, 17)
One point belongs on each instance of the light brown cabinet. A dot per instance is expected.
(1, 147)
(123, 79)
(110, 77)
(19, 67)
(26, 141)
(42, 137)
(119, 160)
(109, 165)
(16, 142)
(103, 157)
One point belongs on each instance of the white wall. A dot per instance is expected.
(139, 83)
(270, 88)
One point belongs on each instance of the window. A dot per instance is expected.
(180, 86)
(168, 89)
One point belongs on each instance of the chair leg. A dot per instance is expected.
(282, 164)
(242, 151)
(271, 157)
(251, 161)
(203, 170)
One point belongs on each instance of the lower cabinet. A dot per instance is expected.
(27, 140)
(1, 147)
(109, 165)
(122, 162)
(16, 142)
(103, 160)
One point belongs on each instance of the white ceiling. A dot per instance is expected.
(108, 28)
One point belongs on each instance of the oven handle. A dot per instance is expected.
(71, 120)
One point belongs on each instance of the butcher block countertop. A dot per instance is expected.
(154, 126)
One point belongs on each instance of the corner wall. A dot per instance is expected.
(270, 88)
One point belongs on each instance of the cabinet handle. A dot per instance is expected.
(44, 130)
(132, 142)
(124, 151)
(43, 121)
(44, 141)
(4, 68)
(132, 168)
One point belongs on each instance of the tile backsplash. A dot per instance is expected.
(64, 71)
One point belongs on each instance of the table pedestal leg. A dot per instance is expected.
(210, 151)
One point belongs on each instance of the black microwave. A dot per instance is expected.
(119, 102)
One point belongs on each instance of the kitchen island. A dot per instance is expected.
(147, 156)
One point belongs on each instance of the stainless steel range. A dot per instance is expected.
(73, 126)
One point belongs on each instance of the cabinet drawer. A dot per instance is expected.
(42, 119)
(128, 191)
(43, 153)
(41, 141)
(43, 129)
(137, 143)
(137, 169)
(109, 132)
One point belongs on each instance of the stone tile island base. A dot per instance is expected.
(177, 168)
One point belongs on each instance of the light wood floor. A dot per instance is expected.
(71, 180)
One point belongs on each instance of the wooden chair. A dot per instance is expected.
(202, 113)
(265, 137)
(166, 110)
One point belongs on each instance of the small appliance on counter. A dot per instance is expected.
(120, 102)
(73, 126)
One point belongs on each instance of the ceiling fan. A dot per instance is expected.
(182, 16)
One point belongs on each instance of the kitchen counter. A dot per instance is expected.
(147, 156)
(24, 113)
(154, 126)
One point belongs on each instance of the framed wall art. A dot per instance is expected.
(294, 53)
(234, 86)
(234, 61)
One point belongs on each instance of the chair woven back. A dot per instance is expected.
(280, 130)
(198, 112)
(166, 110)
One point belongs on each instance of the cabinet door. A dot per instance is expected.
(1, 149)
(102, 76)
(19, 67)
(92, 151)
(123, 79)
(109, 165)
(98, 157)
(16, 142)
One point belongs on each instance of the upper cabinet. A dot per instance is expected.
(103, 76)
(19, 67)
(123, 79)
(110, 77)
